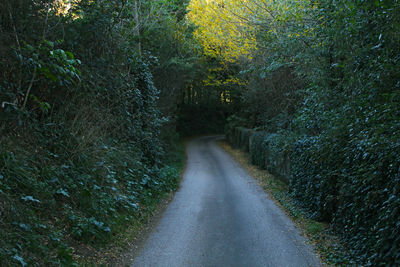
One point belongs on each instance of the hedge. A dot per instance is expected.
(354, 184)
(267, 150)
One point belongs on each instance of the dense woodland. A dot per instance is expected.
(96, 95)
(88, 94)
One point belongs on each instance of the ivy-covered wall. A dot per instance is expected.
(358, 193)
(322, 95)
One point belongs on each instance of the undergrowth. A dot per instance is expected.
(54, 207)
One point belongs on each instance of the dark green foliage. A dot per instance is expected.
(81, 153)
(242, 138)
(330, 102)
(268, 151)
(271, 98)
(200, 119)
(278, 156)
(88, 199)
(239, 137)
(346, 167)
(354, 184)
(209, 99)
(258, 150)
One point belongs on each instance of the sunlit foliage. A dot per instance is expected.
(324, 88)
(222, 28)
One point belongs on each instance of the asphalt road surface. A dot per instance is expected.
(221, 217)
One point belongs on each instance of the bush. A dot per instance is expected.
(267, 150)
(354, 185)
(329, 100)
(81, 157)
(278, 158)
(242, 138)
(348, 180)
(258, 150)
(200, 119)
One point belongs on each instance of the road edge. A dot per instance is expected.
(140, 235)
(325, 244)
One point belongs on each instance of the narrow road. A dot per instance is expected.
(221, 217)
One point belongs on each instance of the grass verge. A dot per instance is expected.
(329, 247)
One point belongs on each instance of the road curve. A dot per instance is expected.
(221, 217)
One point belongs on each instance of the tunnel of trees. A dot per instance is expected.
(96, 96)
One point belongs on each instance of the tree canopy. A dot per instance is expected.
(95, 93)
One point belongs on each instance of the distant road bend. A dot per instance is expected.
(221, 217)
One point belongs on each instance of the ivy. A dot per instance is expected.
(322, 94)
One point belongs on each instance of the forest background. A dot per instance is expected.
(95, 94)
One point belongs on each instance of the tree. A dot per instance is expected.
(222, 29)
